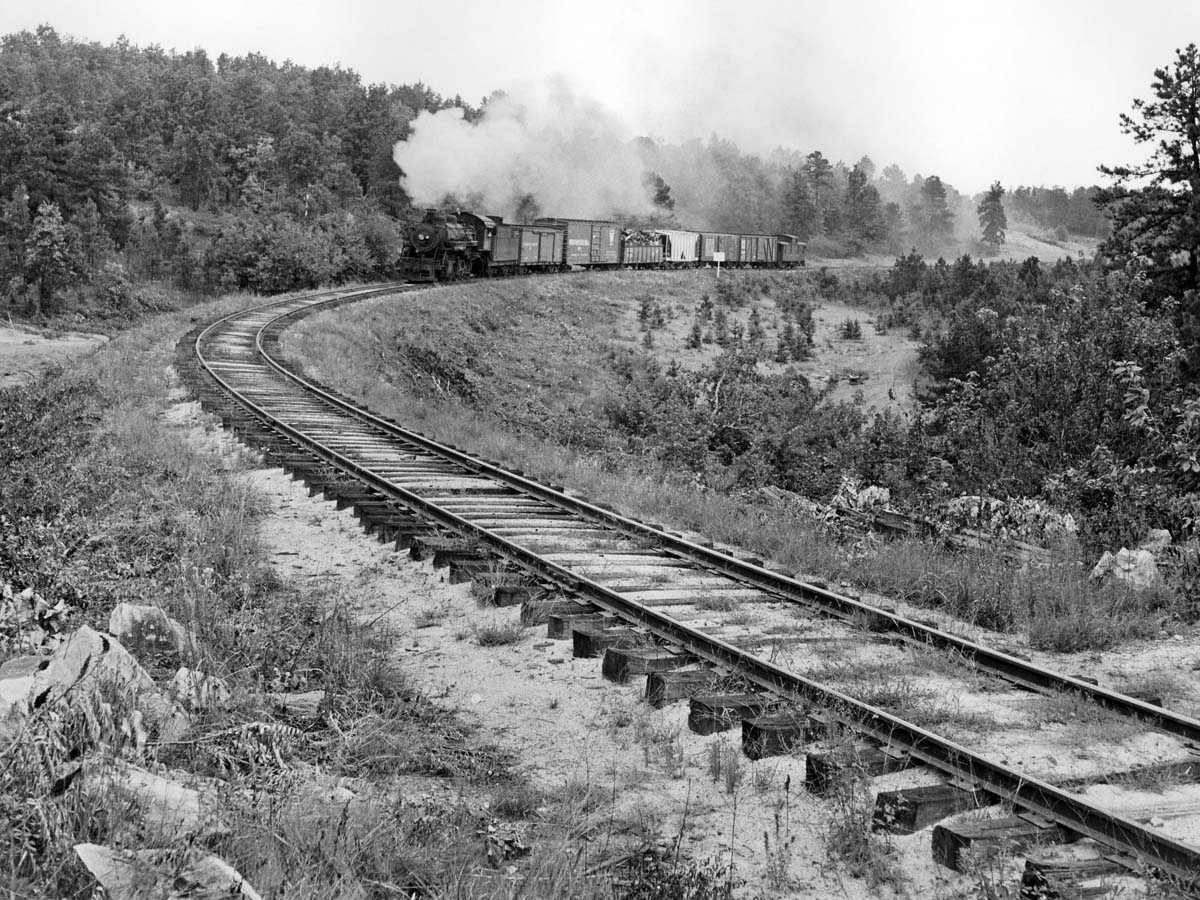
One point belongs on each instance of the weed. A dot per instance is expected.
(497, 634)
(725, 764)
(850, 837)
(429, 616)
(777, 857)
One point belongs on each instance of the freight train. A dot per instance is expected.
(448, 246)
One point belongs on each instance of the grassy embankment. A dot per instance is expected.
(102, 504)
(520, 371)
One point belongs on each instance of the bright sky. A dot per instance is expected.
(1024, 91)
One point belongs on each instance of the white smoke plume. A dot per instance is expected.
(568, 152)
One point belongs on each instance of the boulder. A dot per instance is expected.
(147, 630)
(89, 661)
(1135, 568)
(152, 874)
(16, 681)
(873, 496)
(170, 809)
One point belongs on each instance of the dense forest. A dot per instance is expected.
(129, 174)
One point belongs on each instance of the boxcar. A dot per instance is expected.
(507, 249)
(680, 248)
(758, 250)
(715, 242)
(590, 242)
(790, 250)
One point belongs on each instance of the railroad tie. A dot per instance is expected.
(621, 664)
(909, 810)
(710, 713)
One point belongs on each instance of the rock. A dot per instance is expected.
(195, 691)
(16, 682)
(147, 630)
(147, 874)
(89, 661)
(172, 810)
(1135, 568)
(1156, 540)
(870, 497)
(303, 706)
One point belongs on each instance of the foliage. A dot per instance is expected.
(1156, 221)
(52, 257)
(991, 216)
(1155, 205)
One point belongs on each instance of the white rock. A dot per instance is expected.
(88, 660)
(1136, 568)
(147, 629)
(172, 810)
(873, 496)
(16, 682)
(146, 874)
(1156, 539)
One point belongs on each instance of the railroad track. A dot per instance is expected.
(648, 595)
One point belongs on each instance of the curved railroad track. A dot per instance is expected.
(632, 584)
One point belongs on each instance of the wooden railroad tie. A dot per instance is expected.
(775, 734)
(825, 768)
(590, 640)
(538, 611)
(560, 626)
(710, 713)
(678, 684)
(986, 838)
(624, 663)
(908, 810)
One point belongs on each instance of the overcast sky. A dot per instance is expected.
(1021, 91)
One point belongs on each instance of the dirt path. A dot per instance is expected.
(26, 354)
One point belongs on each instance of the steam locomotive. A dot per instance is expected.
(447, 246)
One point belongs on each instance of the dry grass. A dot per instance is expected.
(178, 527)
(562, 325)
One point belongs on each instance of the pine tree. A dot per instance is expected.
(1155, 205)
(1160, 221)
(51, 255)
(787, 340)
(991, 216)
(938, 220)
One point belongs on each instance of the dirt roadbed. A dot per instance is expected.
(25, 354)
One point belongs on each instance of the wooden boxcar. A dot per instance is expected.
(758, 250)
(508, 249)
(714, 242)
(590, 242)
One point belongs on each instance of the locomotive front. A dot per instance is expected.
(438, 248)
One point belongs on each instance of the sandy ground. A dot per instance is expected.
(563, 721)
(25, 354)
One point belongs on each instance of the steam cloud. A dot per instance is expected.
(565, 151)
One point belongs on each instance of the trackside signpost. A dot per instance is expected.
(718, 258)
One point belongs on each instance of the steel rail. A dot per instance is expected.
(1122, 835)
(1004, 665)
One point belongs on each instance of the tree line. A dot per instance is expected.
(238, 172)
(122, 164)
